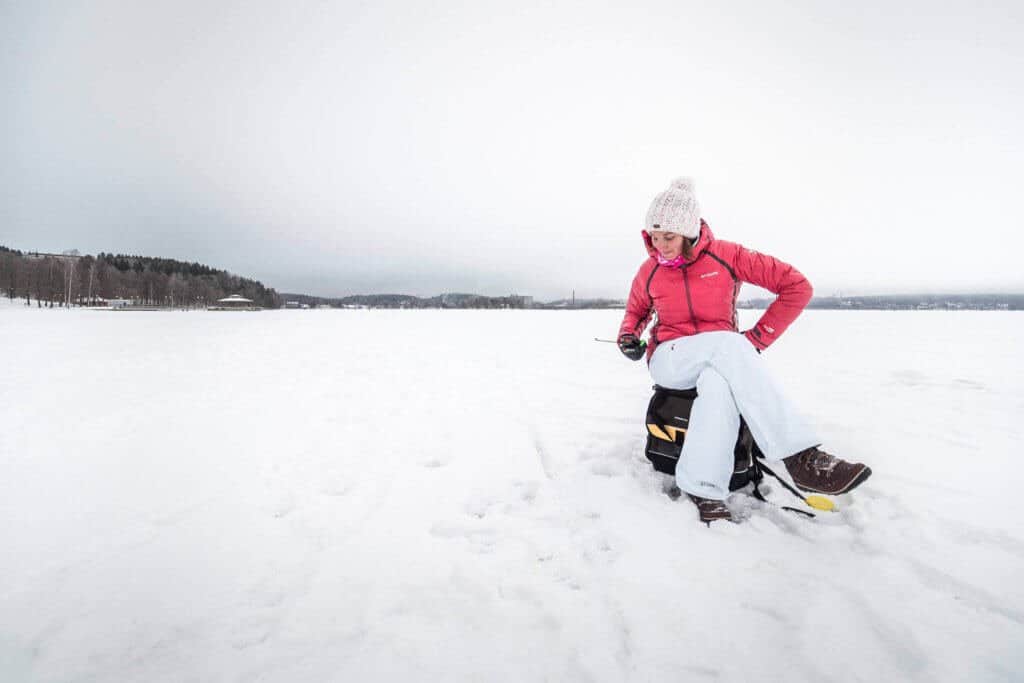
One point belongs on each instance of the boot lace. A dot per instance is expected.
(819, 461)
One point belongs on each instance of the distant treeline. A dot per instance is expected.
(70, 279)
(446, 301)
(910, 302)
(409, 301)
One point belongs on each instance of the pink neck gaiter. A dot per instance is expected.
(671, 263)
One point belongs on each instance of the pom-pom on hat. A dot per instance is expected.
(676, 210)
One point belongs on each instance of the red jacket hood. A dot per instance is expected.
(703, 241)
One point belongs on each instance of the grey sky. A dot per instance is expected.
(416, 147)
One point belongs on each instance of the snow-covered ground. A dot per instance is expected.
(462, 496)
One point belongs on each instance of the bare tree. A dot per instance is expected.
(92, 278)
(69, 278)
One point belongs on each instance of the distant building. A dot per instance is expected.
(292, 304)
(234, 302)
(68, 255)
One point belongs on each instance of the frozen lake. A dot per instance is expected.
(462, 495)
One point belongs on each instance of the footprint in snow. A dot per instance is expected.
(608, 467)
(527, 490)
(281, 506)
(480, 541)
(335, 490)
(479, 508)
(252, 631)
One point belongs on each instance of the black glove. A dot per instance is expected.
(631, 347)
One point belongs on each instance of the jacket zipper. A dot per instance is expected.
(689, 301)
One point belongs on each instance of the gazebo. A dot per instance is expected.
(234, 302)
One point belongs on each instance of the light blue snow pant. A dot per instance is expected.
(731, 380)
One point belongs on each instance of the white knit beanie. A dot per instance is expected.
(676, 210)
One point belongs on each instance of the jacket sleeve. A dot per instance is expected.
(791, 287)
(639, 305)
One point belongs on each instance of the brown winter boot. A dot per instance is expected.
(816, 471)
(710, 510)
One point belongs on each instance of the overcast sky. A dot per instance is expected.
(425, 147)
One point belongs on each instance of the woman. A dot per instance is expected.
(691, 281)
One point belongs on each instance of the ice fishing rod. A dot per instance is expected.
(606, 341)
(815, 501)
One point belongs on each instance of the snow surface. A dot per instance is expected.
(462, 495)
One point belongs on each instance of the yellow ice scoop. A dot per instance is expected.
(820, 503)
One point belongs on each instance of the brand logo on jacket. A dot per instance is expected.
(711, 274)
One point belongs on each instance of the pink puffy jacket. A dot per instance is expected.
(700, 295)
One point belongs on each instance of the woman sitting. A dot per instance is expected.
(691, 281)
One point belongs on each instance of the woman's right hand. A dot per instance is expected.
(631, 347)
